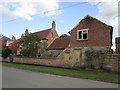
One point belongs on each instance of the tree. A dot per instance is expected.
(64, 35)
(43, 49)
(30, 45)
(26, 33)
(6, 52)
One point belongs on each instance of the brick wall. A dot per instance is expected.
(116, 62)
(117, 41)
(116, 56)
(38, 61)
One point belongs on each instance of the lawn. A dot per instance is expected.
(107, 77)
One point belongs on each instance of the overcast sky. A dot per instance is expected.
(18, 15)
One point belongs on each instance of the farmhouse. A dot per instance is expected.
(47, 35)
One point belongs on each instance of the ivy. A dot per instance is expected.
(93, 55)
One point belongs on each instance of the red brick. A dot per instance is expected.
(99, 34)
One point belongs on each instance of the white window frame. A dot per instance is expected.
(82, 34)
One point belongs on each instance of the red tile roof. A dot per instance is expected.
(13, 47)
(59, 44)
(3, 44)
(43, 34)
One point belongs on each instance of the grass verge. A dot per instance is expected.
(107, 77)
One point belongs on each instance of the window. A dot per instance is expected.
(82, 34)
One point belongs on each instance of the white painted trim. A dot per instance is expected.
(82, 34)
(51, 42)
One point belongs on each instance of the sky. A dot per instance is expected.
(18, 15)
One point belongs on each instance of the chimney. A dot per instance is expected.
(26, 32)
(13, 37)
(53, 25)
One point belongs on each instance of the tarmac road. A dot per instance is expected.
(18, 78)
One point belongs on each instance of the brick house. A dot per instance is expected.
(89, 33)
(7, 42)
(47, 35)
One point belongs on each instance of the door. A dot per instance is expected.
(77, 57)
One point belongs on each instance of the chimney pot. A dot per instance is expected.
(53, 25)
(13, 37)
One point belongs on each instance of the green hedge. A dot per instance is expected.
(6, 52)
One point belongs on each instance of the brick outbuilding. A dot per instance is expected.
(93, 33)
(88, 34)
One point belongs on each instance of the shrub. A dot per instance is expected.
(96, 58)
(108, 69)
(24, 52)
(6, 52)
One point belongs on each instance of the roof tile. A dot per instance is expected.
(13, 47)
(59, 44)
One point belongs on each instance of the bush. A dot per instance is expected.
(96, 58)
(24, 52)
(108, 69)
(6, 52)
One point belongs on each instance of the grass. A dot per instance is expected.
(107, 77)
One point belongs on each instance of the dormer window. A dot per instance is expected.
(82, 34)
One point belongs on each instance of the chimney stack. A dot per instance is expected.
(53, 25)
(13, 37)
(26, 32)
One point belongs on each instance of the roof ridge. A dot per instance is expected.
(43, 30)
(94, 18)
(90, 17)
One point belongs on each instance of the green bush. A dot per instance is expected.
(108, 69)
(96, 56)
(6, 52)
(24, 52)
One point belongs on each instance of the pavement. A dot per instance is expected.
(19, 78)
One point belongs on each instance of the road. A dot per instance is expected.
(18, 78)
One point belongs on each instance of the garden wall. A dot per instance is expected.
(116, 57)
(54, 53)
(116, 63)
(107, 56)
(37, 61)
